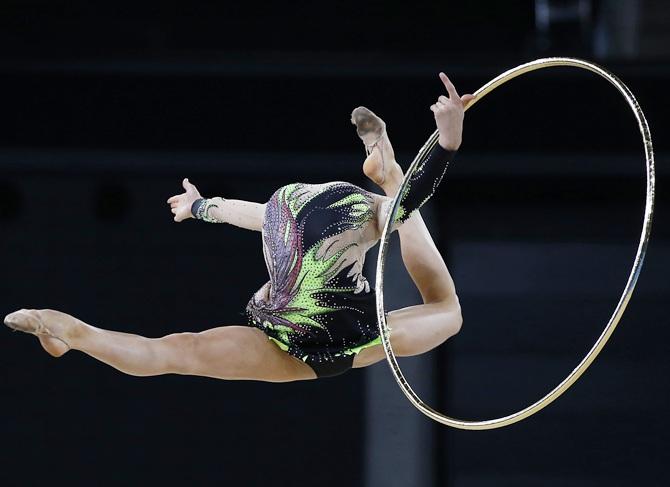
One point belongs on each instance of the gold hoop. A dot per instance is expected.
(625, 296)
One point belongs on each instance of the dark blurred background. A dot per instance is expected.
(106, 106)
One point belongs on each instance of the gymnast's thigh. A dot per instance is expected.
(245, 353)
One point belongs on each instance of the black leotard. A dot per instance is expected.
(317, 305)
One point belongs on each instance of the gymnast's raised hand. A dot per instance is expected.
(180, 204)
(449, 113)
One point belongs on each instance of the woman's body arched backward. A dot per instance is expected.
(316, 315)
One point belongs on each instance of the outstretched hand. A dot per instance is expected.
(180, 204)
(449, 113)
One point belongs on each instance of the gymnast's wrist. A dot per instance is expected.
(197, 208)
(447, 154)
(448, 145)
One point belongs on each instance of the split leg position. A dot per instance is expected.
(240, 352)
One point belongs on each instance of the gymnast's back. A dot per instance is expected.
(314, 241)
(326, 227)
(317, 302)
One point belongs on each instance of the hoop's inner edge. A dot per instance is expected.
(565, 384)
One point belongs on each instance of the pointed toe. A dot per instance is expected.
(12, 319)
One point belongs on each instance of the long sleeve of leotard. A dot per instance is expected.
(422, 184)
(244, 214)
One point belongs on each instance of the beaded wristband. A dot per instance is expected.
(197, 207)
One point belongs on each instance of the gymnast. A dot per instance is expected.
(316, 315)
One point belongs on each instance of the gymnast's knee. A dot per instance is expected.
(458, 321)
(453, 317)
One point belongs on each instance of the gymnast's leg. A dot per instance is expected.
(230, 352)
(415, 329)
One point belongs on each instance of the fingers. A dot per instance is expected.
(186, 184)
(174, 202)
(467, 99)
(451, 89)
(441, 104)
(178, 215)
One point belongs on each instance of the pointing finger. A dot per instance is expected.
(172, 199)
(451, 89)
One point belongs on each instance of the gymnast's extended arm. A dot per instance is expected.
(448, 113)
(191, 204)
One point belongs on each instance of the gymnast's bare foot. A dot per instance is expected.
(380, 165)
(53, 328)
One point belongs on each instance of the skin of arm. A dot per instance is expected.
(243, 214)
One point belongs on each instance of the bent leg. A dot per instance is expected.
(417, 329)
(230, 352)
(420, 328)
(425, 264)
